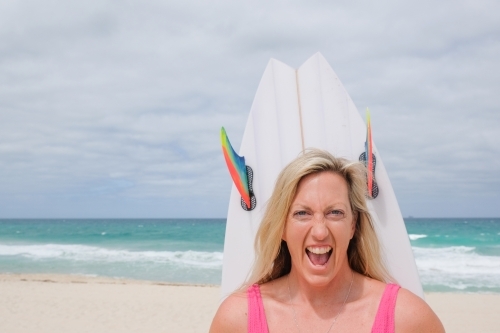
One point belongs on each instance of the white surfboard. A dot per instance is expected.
(294, 110)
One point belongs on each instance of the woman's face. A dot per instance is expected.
(318, 228)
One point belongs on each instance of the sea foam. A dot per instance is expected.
(457, 267)
(415, 237)
(76, 252)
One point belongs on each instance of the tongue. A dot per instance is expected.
(318, 259)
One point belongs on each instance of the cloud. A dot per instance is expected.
(112, 109)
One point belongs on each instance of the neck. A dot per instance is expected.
(319, 294)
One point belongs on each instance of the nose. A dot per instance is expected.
(319, 230)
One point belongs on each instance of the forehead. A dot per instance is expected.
(322, 184)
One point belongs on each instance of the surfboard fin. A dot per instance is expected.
(369, 160)
(241, 173)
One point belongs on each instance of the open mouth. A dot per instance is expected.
(319, 255)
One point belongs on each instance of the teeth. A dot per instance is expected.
(319, 250)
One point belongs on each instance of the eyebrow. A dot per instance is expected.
(303, 206)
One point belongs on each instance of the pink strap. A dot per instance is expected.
(257, 322)
(384, 320)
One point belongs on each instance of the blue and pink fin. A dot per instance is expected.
(371, 161)
(241, 173)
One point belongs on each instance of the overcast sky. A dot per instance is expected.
(113, 108)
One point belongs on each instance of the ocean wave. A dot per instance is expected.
(76, 252)
(457, 267)
(415, 236)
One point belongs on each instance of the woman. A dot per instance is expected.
(318, 266)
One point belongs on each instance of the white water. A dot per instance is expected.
(69, 252)
(458, 267)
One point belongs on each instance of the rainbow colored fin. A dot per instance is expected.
(240, 172)
(369, 152)
(369, 160)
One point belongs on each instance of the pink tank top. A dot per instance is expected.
(384, 320)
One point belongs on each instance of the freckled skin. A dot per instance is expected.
(320, 215)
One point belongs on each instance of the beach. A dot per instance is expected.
(46, 303)
(164, 275)
(70, 303)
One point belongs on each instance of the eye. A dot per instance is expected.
(300, 213)
(336, 214)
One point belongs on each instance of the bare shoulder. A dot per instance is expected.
(231, 315)
(413, 314)
(373, 288)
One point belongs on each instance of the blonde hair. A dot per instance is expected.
(272, 258)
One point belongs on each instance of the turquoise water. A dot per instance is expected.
(180, 250)
(451, 254)
(457, 254)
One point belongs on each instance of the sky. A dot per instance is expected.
(113, 108)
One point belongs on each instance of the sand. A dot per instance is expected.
(65, 303)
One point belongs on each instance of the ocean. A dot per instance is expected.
(452, 255)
